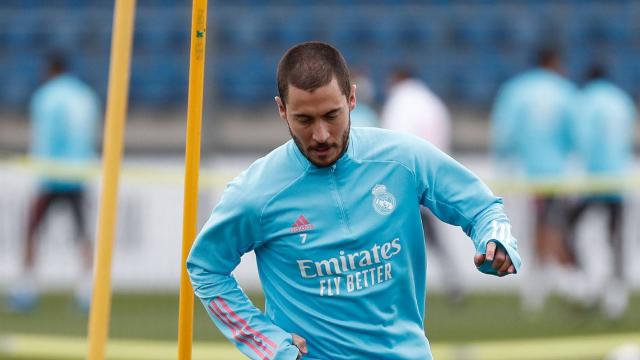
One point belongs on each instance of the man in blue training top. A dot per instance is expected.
(605, 128)
(65, 114)
(531, 125)
(333, 218)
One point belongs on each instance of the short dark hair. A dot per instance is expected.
(56, 62)
(547, 56)
(596, 72)
(310, 65)
(401, 73)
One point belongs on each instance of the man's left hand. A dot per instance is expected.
(499, 258)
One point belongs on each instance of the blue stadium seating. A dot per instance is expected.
(464, 49)
(24, 73)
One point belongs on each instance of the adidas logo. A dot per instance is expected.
(302, 224)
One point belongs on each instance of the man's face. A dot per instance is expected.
(318, 121)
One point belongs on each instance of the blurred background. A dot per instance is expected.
(462, 50)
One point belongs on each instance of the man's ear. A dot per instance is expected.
(352, 98)
(282, 110)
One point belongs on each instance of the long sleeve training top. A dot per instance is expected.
(340, 249)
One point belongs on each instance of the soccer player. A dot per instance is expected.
(605, 117)
(532, 125)
(65, 114)
(333, 218)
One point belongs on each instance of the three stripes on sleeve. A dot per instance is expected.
(241, 331)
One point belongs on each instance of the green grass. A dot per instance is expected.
(479, 317)
(484, 326)
(139, 316)
(491, 316)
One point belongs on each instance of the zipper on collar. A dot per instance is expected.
(338, 199)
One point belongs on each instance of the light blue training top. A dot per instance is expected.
(64, 116)
(340, 249)
(532, 122)
(605, 123)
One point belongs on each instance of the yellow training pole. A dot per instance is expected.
(112, 157)
(192, 165)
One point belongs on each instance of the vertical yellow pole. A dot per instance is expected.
(192, 165)
(116, 112)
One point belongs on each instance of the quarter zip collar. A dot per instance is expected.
(306, 165)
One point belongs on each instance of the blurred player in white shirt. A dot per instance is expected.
(412, 107)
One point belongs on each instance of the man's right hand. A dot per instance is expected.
(301, 344)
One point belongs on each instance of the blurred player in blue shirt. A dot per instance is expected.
(333, 218)
(532, 126)
(605, 128)
(531, 119)
(64, 120)
(364, 115)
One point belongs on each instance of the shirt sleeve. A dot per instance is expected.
(458, 197)
(231, 231)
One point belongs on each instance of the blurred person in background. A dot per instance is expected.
(605, 129)
(333, 218)
(531, 127)
(64, 115)
(413, 108)
(364, 114)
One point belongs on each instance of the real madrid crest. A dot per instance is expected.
(384, 203)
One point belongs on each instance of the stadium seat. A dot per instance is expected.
(229, 33)
(24, 74)
(351, 29)
(285, 29)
